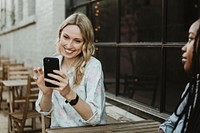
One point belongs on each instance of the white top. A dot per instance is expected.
(91, 90)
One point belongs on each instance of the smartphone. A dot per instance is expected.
(50, 64)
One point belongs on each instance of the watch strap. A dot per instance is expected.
(73, 101)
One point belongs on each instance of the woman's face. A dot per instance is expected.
(71, 41)
(187, 49)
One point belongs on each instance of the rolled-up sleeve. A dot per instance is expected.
(169, 124)
(37, 105)
(95, 93)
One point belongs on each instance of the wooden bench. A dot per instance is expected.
(147, 126)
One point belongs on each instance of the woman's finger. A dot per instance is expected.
(40, 70)
(54, 82)
(58, 77)
(36, 72)
(58, 83)
(60, 73)
(35, 78)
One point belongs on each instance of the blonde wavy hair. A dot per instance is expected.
(88, 49)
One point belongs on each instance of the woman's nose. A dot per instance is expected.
(69, 43)
(183, 49)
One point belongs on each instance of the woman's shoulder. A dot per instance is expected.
(93, 61)
(93, 65)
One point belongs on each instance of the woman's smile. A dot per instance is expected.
(68, 51)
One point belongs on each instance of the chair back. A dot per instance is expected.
(26, 110)
(19, 72)
(31, 93)
(5, 68)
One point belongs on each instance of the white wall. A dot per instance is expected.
(34, 37)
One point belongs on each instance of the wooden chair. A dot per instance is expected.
(18, 118)
(46, 121)
(6, 67)
(18, 73)
(1, 96)
(140, 83)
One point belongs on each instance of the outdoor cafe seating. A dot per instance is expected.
(18, 118)
(23, 91)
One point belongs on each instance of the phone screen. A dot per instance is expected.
(50, 64)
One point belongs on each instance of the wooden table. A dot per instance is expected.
(144, 126)
(11, 85)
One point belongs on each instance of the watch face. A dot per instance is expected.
(74, 101)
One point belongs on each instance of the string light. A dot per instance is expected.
(97, 13)
(96, 29)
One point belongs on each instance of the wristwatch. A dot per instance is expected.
(73, 101)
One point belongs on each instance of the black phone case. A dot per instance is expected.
(50, 64)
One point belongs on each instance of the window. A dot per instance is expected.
(31, 7)
(3, 14)
(140, 21)
(180, 15)
(19, 10)
(141, 32)
(104, 19)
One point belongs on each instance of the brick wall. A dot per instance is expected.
(33, 38)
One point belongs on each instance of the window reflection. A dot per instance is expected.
(140, 70)
(140, 21)
(175, 78)
(104, 18)
(132, 22)
(181, 14)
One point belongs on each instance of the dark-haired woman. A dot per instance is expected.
(186, 119)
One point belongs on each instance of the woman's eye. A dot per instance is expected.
(190, 39)
(78, 41)
(66, 37)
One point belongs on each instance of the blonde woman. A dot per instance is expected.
(79, 98)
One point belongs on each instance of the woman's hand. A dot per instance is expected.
(39, 79)
(61, 81)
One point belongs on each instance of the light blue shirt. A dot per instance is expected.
(91, 90)
(169, 124)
